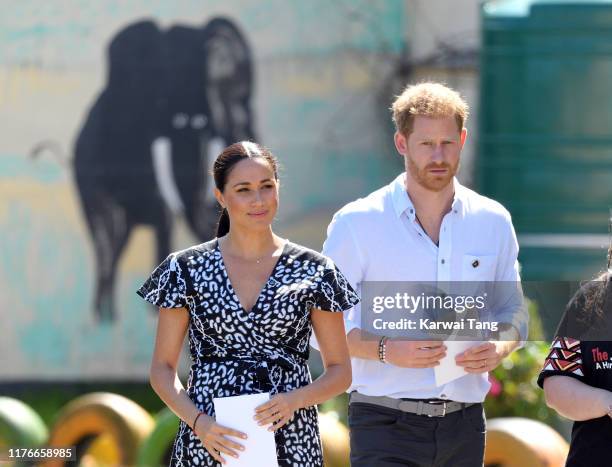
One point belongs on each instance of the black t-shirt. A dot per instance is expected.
(582, 349)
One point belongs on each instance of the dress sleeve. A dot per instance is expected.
(334, 293)
(165, 287)
(565, 355)
(564, 358)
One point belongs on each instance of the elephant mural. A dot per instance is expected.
(142, 154)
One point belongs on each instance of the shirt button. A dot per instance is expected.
(442, 261)
(443, 396)
(455, 211)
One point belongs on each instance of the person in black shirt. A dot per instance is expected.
(577, 374)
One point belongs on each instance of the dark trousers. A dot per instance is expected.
(383, 437)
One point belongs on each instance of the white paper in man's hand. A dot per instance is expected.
(448, 370)
(237, 412)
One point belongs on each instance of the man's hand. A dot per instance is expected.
(414, 354)
(484, 357)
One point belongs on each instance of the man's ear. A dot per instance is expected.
(463, 136)
(401, 143)
(219, 197)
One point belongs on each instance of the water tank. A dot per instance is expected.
(545, 148)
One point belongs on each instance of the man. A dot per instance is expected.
(423, 226)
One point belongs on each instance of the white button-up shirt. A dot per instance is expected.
(378, 238)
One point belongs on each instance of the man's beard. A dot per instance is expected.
(428, 180)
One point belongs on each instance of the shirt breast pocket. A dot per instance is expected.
(479, 268)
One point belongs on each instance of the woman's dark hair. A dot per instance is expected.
(224, 164)
(598, 295)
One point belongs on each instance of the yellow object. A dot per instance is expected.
(335, 439)
(102, 452)
(116, 424)
(521, 442)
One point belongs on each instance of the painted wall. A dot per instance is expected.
(323, 76)
(444, 45)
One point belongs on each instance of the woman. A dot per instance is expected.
(250, 301)
(577, 375)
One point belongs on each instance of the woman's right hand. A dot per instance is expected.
(213, 437)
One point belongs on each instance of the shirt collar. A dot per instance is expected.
(399, 195)
(460, 199)
(402, 202)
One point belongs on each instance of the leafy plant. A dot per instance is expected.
(514, 391)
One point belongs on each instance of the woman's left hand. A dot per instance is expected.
(277, 411)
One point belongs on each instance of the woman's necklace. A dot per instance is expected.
(267, 255)
(257, 260)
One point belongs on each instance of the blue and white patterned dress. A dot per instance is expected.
(237, 352)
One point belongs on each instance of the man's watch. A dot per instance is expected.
(382, 349)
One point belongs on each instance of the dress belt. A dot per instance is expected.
(419, 407)
(261, 364)
(286, 359)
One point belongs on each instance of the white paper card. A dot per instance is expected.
(237, 412)
(448, 370)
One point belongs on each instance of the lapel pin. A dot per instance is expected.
(475, 263)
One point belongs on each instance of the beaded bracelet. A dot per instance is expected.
(382, 349)
(196, 420)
